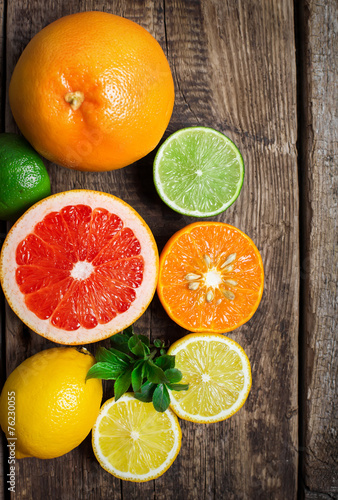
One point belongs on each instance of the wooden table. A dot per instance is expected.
(262, 72)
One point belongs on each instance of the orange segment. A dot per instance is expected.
(211, 277)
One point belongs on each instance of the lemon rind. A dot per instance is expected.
(154, 473)
(223, 415)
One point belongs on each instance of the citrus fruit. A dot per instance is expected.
(48, 404)
(198, 171)
(133, 441)
(211, 277)
(92, 91)
(24, 179)
(218, 373)
(79, 266)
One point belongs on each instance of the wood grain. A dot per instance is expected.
(3, 442)
(319, 259)
(233, 64)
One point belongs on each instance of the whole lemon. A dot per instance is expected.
(49, 404)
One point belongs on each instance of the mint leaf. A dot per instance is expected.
(165, 362)
(132, 341)
(146, 392)
(122, 383)
(158, 343)
(121, 355)
(136, 377)
(139, 345)
(173, 375)
(129, 331)
(161, 398)
(133, 361)
(145, 340)
(144, 370)
(106, 371)
(178, 387)
(120, 341)
(136, 346)
(107, 356)
(155, 374)
(138, 349)
(146, 350)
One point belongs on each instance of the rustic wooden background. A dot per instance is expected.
(264, 73)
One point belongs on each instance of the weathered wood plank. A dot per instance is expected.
(317, 495)
(251, 49)
(319, 260)
(234, 69)
(229, 64)
(3, 454)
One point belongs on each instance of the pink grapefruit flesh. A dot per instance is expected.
(79, 266)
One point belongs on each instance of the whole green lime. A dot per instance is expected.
(24, 179)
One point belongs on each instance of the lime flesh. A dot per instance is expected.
(24, 179)
(198, 171)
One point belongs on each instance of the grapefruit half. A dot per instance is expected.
(79, 266)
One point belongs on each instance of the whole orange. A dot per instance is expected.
(92, 91)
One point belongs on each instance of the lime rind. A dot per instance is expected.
(213, 172)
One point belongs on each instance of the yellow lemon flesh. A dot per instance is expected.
(133, 441)
(219, 377)
(54, 407)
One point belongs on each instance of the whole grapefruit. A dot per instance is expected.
(92, 91)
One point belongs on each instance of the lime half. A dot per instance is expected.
(198, 171)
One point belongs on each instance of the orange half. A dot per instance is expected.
(211, 277)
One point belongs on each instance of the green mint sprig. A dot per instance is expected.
(147, 368)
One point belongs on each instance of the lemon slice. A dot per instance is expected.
(218, 373)
(133, 441)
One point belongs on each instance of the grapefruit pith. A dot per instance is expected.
(79, 266)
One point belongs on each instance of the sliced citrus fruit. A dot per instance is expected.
(218, 373)
(198, 171)
(133, 441)
(211, 277)
(79, 266)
